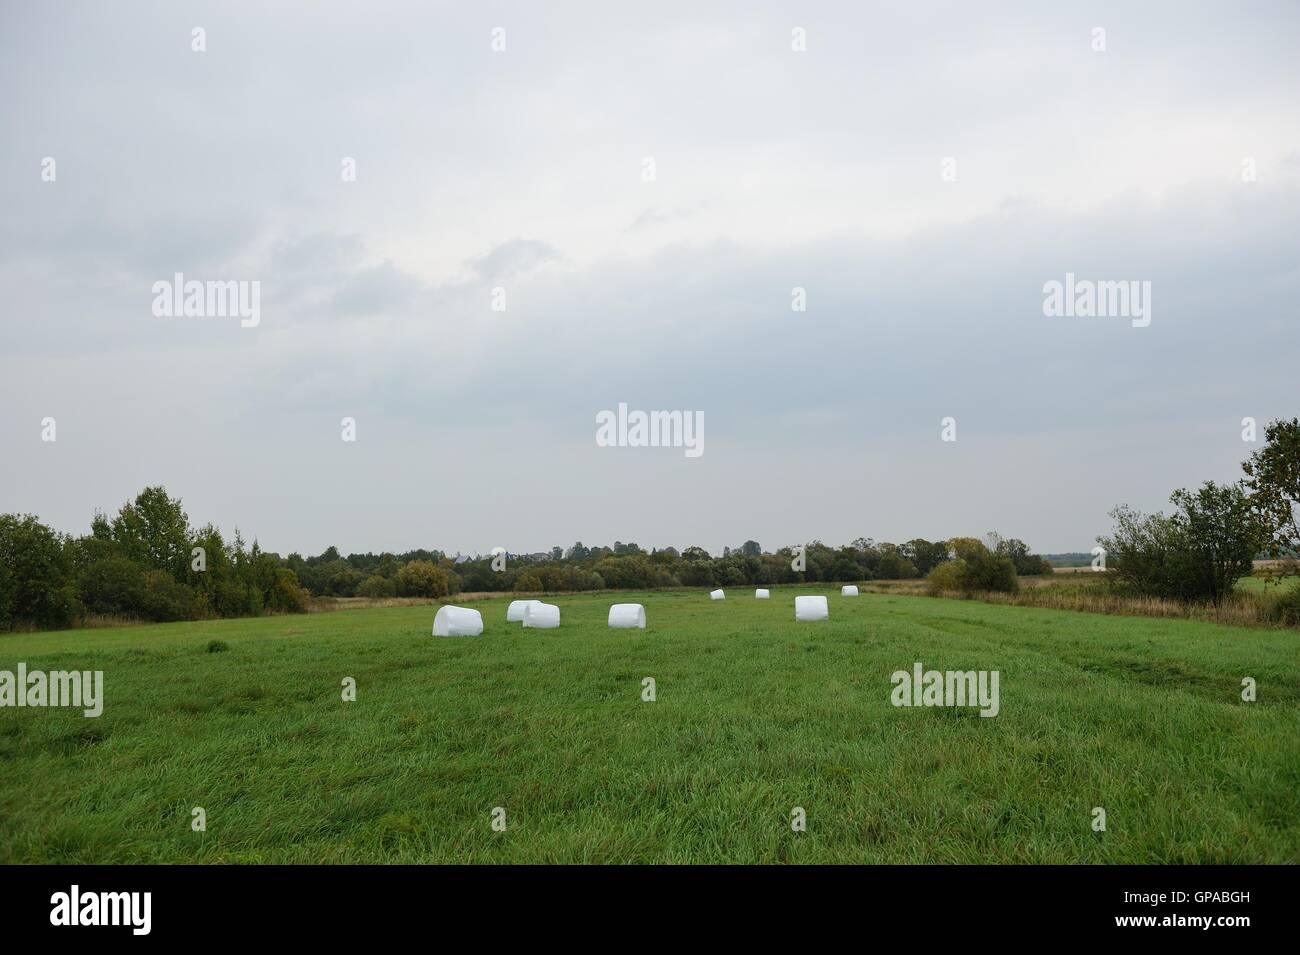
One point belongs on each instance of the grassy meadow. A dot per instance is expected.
(755, 714)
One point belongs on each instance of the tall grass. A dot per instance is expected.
(1254, 604)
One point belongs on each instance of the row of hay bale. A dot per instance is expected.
(805, 608)
(533, 614)
(538, 615)
(848, 590)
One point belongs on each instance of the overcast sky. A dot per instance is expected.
(523, 169)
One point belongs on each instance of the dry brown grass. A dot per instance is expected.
(1244, 609)
(330, 604)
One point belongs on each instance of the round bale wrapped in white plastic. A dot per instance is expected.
(515, 612)
(849, 590)
(541, 616)
(761, 594)
(717, 595)
(627, 616)
(457, 622)
(811, 608)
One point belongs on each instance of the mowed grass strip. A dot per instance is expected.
(755, 714)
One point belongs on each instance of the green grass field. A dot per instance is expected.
(755, 714)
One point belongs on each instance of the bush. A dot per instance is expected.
(217, 646)
(987, 571)
(1285, 607)
(287, 595)
(945, 577)
(976, 569)
(377, 587)
(422, 578)
(165, 599)
(114, 585)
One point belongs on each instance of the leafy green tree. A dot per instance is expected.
(924, 554)
(1221, 533)
(1273, 480)
(155, 531)
(1198, 553)
(1026, 564)
(38, 585)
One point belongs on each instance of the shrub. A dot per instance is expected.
(422, 578)
(377, 587)
(945, 577)
(287, 595)
(1285, 607)
(114, 585)
(975, 569)
(988, 571)
(217, 646)
(165, 599)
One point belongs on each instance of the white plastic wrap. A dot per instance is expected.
(717, 595)
(762, 594)
(811, 608)
(626, 616)
(457, 622)
(849, 590)
(541, 616)
(515, 612)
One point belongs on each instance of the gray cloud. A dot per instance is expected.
(523, 169)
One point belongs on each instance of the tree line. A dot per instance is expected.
(147, 562)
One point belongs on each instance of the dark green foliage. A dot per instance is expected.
(1285, 607)
(1273, 480)
(37, 584)
(975, 568)
(1198, 553)
(145, 563)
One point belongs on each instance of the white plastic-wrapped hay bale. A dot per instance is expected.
(457, 622)
(811, 608)
(761, 594)
(849, 590)
(515, 612)
(717, 595)
(541, 616)
(627, 616)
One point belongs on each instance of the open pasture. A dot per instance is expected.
(754, 714)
